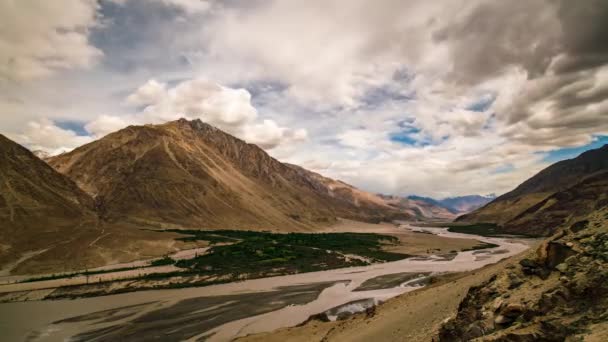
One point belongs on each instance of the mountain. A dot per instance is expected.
(394, 207)
(39, 207)
(546, 200)
(344, 192)
(420, 208)
(190, 174)
(465, 204)
(457, 205)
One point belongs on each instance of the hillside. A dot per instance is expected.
(557, 293)
(403, 208)
(39, 207)
(548, 191)
(190, 174)
(47, 224)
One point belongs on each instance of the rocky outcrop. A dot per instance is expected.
(558, 291)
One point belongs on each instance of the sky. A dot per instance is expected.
(434, 98)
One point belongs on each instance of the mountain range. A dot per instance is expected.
(457, 205)
(554, 197)
(92, 202)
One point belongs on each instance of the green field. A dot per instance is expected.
(258, 253)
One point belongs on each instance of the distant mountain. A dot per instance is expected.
(457, 205)
(190, 174)
(420, 208)
(553, 197)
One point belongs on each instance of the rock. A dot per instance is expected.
(512, 310)
(557, 253)
(563, 267)
(514, 281)
(497, 304)
(528, 263)
(572, 260)
(531, 267)
(502, 320)
(474, 331)
(578, 226)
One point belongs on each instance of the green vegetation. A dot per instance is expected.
(259, 253)
(248, 254)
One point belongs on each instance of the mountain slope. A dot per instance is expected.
(510, 209)
(190, 174)
(38, 206)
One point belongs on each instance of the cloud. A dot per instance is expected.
(557, 46)
(149, 93)
(190, 6)
(350, 48)
(269, 134)
(227, 108)
(46, 136)
(39, 38)
(105, 124)
(428, 97)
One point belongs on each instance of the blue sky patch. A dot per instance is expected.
(573, 152)
(408, 137)
(71, 125)
(504, 169)
(482, 104)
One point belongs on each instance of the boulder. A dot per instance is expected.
(562, 268)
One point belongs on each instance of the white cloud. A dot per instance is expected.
(46, 136)
(39, 38)
(348, 74)
(150, 93)
(104, 125)
(226, 108)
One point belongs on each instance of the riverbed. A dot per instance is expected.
(223, 312)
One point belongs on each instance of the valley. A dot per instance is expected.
(279, 301)
(180, 231)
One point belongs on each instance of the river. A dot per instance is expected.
(223, 312)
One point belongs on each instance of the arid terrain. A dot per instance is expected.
(184, 232)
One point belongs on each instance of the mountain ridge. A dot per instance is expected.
(549, 191)
(199, 176)
(457, 204)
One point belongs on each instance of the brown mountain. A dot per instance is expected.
(39, 207)
(190, 174)
(553, 196)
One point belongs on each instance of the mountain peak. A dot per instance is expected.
(189, 173)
